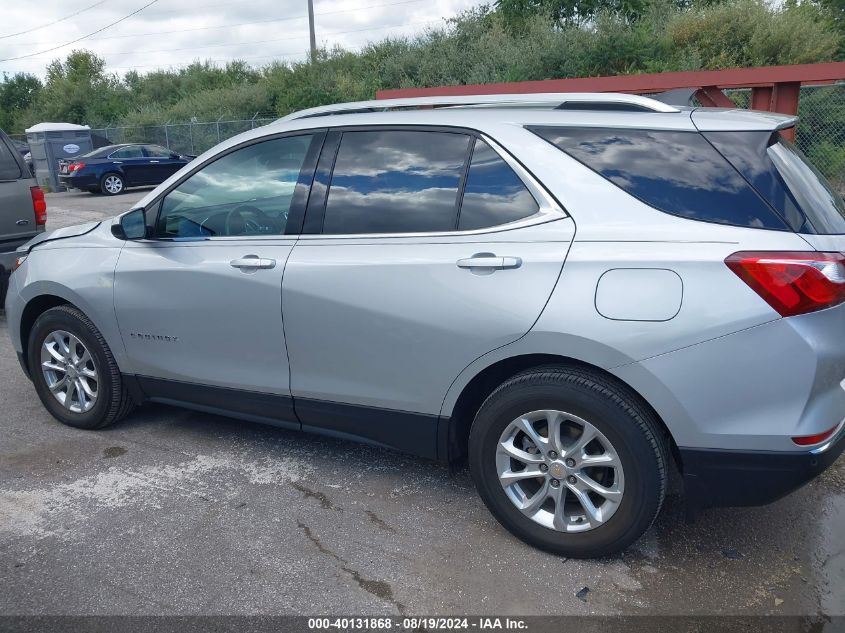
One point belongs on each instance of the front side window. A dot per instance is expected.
(246, 192)
(156, 151)
(396, 181)
(494, 194)
(128, 152)
(676, 172)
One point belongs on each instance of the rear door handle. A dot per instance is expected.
(489, 261)
(252, 262)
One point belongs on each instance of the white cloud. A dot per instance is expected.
(172, 33)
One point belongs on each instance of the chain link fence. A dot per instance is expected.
(186, 138)
(820, 134)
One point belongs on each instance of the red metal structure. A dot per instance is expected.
(773, 88)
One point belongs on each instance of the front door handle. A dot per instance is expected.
(489, 262)
(252, 262)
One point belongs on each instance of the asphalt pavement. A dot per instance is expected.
(178, 512)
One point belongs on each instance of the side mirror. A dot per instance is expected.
(132, 226)
(174, 155)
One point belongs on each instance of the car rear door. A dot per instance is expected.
(199, 304)
(17, 216)
(389, 293)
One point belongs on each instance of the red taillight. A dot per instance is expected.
(793, 282)
(75, 167)
(39, 205)
(809, 440)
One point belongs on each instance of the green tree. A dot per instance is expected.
(17, 93)
(568, 11)
(79, 90)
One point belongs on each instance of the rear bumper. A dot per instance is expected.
(83, 181)
(716, 478)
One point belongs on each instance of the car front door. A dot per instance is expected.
(162, 163)
(394, 292)
(199, 304)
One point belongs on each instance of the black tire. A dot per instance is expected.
(105, 191)
(113, 401)
(632, 429)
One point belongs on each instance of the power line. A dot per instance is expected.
(269, 20)
(79, 39)
(277, 39)
(287, 54)
(44, 26)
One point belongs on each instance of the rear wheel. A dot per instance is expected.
(74, 372)
(111, 184)
(569, 461)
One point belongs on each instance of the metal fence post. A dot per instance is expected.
(166, 135)
(252, 121)
(218, 129)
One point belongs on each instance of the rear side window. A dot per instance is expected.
(677, 172)
(784, 177)
(494, 194)
(396, 181)
(10, 168)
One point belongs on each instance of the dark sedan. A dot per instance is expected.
(113, 169)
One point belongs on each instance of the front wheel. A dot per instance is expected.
(111, 184)
(74, 372)
(569, 461)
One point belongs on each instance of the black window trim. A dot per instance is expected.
(549, 208)
(296, 214)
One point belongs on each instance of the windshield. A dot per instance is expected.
(814, 194)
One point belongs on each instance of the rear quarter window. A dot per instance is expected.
(677, 172)
(785, 178)
(10, 168)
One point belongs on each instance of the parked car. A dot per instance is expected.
(111, 170)
(578, 293)
(21, 147)
(23, 210)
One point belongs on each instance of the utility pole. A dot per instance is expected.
(311, 29)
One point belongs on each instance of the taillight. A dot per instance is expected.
(39, 205)
(793, 282)
(809, 440)
(75, 167)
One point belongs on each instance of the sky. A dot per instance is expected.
(173, 33)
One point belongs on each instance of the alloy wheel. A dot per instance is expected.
(560, 471)
(113, 184)
(69, 371)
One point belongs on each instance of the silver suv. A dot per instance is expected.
(578, 293)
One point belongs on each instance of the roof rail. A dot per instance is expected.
(554, 100)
